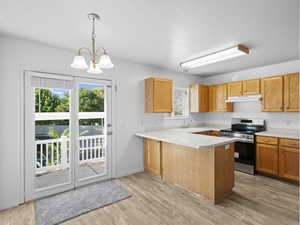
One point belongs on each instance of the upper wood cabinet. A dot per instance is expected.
(251, 87)
(291, 92)
(212, 98)
(220, 96)
(198, 96)
(272, 94)
(158, 95)
(235, 89)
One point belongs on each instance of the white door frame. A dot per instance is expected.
(30, 191)
(28, 182)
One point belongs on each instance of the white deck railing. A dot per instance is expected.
(53, 154)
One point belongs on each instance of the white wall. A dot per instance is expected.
(252, 109)
(16, 53)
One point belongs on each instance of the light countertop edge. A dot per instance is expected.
(197, 141)
(280, 133)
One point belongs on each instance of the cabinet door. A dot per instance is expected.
(203, 98)
(198, 98)
(251, 87)
(212, 98)
(152, 157)
(220, 97)
(163, 95)
(272, 94)
(235, 89)
(289, 163)
(291, 93)
(267, 158)
(194, 98)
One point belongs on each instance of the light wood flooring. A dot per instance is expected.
(256, 200)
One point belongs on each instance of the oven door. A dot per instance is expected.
(245, 153)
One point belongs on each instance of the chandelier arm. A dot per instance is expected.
(85, 49)
(99, 51)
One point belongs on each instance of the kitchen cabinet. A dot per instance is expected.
(198, 98)
(267, 158)
(272, 94)
(214, 133)
(152, 156)
(212, 98)
(251, 87)
(289, 159)
(235, 89)
(278, 157)
(291, 92)
(289, 163)
(220, 96)
(158, 95)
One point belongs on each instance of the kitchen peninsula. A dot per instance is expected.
(200, 163)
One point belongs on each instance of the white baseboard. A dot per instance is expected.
(129, 172)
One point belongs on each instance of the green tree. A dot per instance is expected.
(91, 100)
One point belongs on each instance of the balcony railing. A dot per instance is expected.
(54, 154)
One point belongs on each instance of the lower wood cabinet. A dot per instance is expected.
(152, 156)
(289, 163)
(267, 158)
(278, 156)
(214, 133)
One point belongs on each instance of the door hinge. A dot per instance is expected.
(116, 88)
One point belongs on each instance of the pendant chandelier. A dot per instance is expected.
(98, 57)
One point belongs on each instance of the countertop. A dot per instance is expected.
(185, 137)
(280, 133)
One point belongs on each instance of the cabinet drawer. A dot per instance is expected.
(267, 140)
(289, 143)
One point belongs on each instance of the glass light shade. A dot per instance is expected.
(93, 69)
(79, 63)
(105, 62)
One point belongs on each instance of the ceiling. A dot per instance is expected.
(163, 33)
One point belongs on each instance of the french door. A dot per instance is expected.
(67, 133)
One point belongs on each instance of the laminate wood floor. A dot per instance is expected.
(256, 200)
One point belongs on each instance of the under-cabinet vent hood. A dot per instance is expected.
(249, 98)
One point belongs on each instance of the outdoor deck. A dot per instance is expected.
(63, 175)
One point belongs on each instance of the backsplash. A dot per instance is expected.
(157, 121)
(287, 120)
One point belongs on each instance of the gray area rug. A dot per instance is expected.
(61, 207)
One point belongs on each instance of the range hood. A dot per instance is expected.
(248, 98)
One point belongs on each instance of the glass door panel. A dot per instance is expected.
(92, 118)
(52, 142)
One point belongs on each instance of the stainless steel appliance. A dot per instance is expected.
(244, 130)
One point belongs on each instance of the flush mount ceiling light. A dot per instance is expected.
(98, 58)
(228, 53)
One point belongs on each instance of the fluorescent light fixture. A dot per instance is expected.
(228, 53)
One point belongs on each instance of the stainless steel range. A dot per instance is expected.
(245, 152)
